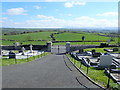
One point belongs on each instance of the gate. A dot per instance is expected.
(57, 49)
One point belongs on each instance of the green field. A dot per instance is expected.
(77, 36)
(24, 38)
(29, 36)
(65, 36)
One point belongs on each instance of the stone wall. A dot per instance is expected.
(74, 48)
(27, 47)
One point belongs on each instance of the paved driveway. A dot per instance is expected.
(52, 71)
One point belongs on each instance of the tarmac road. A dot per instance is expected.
(52, 71)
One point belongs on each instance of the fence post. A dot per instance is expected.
(108, 78)
(74, 61)
(44, 53)
(58, 48)
(27, 58)
(38, 54)
(87, 69)
(15, 61)
(33, 56)
(80, 64)
(41, 54)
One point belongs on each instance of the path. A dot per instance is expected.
(52, 71)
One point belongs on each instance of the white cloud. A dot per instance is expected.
(50, 21)
(108, 14)
(79, 3)
(37, 7)
(4, 18)
(68, 5)
(55, 0)
(45, 17)
(86, 21)
(16, 11)
(72, 4)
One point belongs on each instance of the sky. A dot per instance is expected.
(74, 14)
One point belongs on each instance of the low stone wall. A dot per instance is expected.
(74, 48)
(27, 47)
(35, 47)
(10, 47)
(78, 41)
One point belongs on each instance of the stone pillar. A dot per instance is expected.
(67, 47)
(81, 50)
(49, 46)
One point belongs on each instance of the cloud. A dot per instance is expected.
(86, 21)
(108, 14)
(72, 4)
(4, 18)
(37, 7)
(16, 11)
(55, 0)
(43, 17)
(42, 21)
(68, 5)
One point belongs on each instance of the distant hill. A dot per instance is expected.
(88, 29)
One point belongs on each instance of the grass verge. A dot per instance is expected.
(7, 62)
(96, 75)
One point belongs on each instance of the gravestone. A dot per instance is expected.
(16, 45)
(115, 49)
(67, 47)
(95, 54)
(49, 46)
(105, 61)
(12, 55)
(81, 50)
(93, 51)
(23, 51)
(31, 51)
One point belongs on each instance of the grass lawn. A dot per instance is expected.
(101, 50)
(77, 36)
(29, 36)
(5, 42)
(7, 62)
(96, 75)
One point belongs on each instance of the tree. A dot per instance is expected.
(83, 38)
